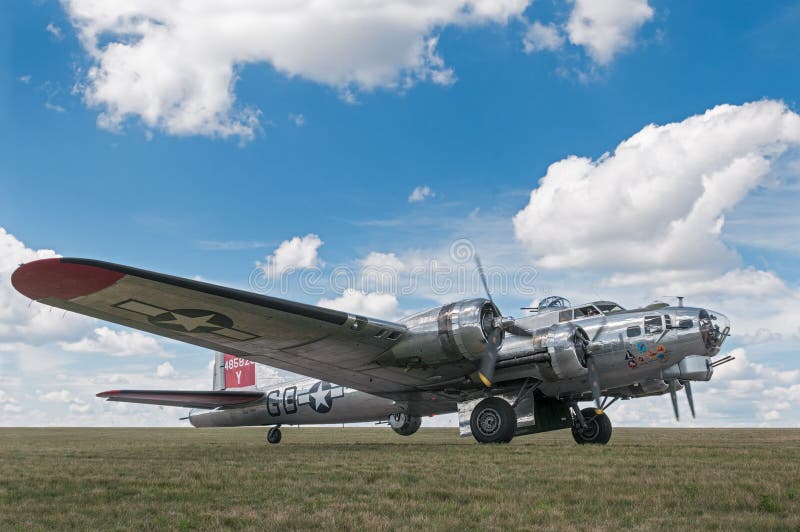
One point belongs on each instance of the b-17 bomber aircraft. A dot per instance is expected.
(504, 377)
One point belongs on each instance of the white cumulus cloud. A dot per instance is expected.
(165, 370)
(371, 304)
(542, 37)
(174, 65)
(378, 260)
(298, 252)
(22, 318)
(606, 27)
(420, 193)
(659, 200)
(117, 344)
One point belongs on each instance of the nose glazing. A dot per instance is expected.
(714, 328)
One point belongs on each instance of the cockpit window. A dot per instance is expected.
(608, 307)
(653, 325)
(634, 331)
(565, 315)
(587, 311)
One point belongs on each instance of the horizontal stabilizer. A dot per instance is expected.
(188, 399)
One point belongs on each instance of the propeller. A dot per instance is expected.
(689, 397)
(495, 338)
(594, 380)
(673, 393)
(592, 375)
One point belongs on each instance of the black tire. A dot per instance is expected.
(405, 425)
(597, 431)
(493, 421)
(274, 435)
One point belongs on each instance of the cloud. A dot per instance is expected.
(297, 119)
(606, 27)
(299, 252)
(174, 66)
(54, 107)
(10, 404)
(117, 344)
(26, 79)
(371, 304)
(19, 316)
(165, 370)
(55, 31)
(76, 404)
(58, 396)
(659, 200)
(420, 193)
(542, 37)
(12, 408)
(377, 260)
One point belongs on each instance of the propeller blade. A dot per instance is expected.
(599, 331)
(483, 278)
(489, 359)
(689, 396)
(594, 380)
(673, 393)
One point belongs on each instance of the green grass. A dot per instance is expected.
(371, 478)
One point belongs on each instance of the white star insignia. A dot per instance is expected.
(189, 323)
(320, 397)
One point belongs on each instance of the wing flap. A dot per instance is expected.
(188, 399)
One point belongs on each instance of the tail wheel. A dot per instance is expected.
(274, 435)
(597, 429)
(493, 420)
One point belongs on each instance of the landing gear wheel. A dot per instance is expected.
(597, 430)
(493, 421)
(274, 435)
(404, 425)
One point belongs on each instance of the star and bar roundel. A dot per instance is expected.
(320, 396)
(187, 320)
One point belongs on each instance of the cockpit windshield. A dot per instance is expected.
(608, 307)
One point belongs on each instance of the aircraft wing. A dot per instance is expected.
(326, 344)
(188, 399)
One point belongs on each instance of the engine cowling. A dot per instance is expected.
(565, 343)
(448, 333)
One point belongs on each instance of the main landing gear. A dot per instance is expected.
(591, 425)
(274, 434)
(493, 420)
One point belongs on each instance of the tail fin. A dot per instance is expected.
(233, 372)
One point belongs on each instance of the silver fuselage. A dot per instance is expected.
(629, 365)
(635, 351)
(302, 402)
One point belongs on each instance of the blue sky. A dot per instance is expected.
(466, 110)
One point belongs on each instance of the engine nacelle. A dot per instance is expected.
(446, 334)
(404, 424)
(565, 343)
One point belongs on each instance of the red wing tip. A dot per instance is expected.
(109, 393)
(46, 278)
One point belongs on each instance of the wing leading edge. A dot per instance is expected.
(326, 344)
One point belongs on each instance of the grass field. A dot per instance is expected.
(372, 478)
